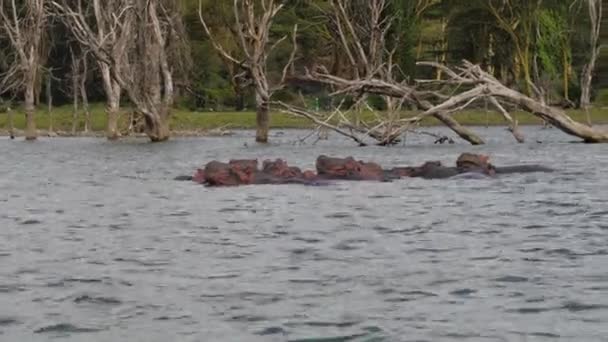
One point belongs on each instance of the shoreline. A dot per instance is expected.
(18, 133)
(220, 132)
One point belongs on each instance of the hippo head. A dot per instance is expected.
(370, 171)
(470, 161)
(279, 168)
(348, 168)
(423, 169)
(222, 174)
(400, 172)
(248, 165)
(199, 176)
(309, 175)
(336, 167)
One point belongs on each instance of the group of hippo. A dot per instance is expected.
(246, 172)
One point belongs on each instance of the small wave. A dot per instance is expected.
(31, 222)
(271, 331)
(97, 300)
(10, 288)
(530, 310)
(344, 338)
(539, 334)
(65, 328)
(172, 318)
(463, 292)
(181, 213)
(6, 321)
(248, 318)
(578, 306)
(339, 215)
(308, 240)
(143, 262)
(534, 226)
(511, 279)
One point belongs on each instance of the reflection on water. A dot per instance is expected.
(98, 243)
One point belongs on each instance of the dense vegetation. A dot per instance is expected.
(522, 43)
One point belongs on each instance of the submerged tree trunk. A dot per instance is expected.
(112, 111)
(459, 129)
(157, 126)
(74, 102)
(85, 107)
(262, 118)
(49, 101)
(83, 95)
(30, 109)
(11, 124)
(112, 90)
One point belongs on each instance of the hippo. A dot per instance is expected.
(246, 172)
(224, 174)
(474, 166)
(349, 169)
(280, 169)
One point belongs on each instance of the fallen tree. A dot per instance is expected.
(366, 41)
(363, 34)
(479, 85)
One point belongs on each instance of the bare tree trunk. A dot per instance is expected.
(595, 16)
(262, 118)
(112, 110)
(83, 95)
(74, 99)
(11, 124)
(253, 25)
(112, 91)
(157, 127)
(23, 23)
(85, 107)
(30, 110)
(49, 101)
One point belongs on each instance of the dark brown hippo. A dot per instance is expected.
(245, 172)
(250, 165)
(280, 169)
(470, 160)
(466, 163)
(348, 169)
(227, 174)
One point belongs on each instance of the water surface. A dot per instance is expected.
(98, 243)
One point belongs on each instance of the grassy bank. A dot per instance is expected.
(201, 121)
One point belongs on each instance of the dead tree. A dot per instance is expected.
(485, 85)
(253, 24)
(136, 44)
(83, 94)
(361, 30)
(595, 17)
(49, 99)
(23, 23)
(75, 74)
(107, 35)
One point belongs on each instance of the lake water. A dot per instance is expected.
(98, 243)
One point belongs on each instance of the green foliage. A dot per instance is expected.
(601, 100)
(558, 31)
(552, 41)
